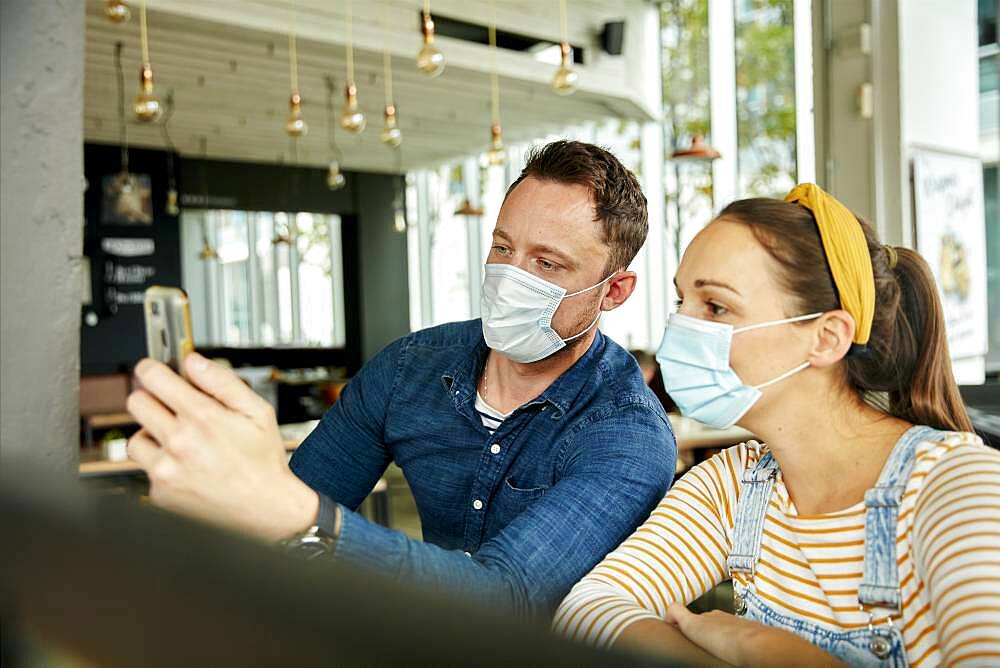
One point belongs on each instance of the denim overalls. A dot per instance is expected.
(881, 643)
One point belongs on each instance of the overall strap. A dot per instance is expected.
(880, 583)
(751, 510)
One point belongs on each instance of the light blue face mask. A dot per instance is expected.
(694, 359)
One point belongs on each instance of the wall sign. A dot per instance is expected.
(951, 235)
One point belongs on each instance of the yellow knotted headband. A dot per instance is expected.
(847, 252)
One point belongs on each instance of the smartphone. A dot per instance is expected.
(168, 326)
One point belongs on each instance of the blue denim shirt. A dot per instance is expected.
(577, 470)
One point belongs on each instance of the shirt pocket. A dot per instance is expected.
(511, 499)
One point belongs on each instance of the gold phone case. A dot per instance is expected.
(168, 326)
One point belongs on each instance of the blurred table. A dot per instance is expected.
(94, 467)
(92, 463)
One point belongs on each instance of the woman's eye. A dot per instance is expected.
(717, 309)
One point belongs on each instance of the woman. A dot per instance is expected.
(866, 530)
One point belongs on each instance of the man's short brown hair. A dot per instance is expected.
(619, 204)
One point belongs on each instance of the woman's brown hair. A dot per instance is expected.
(907, 354)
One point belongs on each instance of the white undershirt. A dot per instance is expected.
(491, 417)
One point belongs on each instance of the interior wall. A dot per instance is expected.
(385, 295)
(41, 230)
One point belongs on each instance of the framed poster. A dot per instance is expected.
(126, 199)
(951, 235)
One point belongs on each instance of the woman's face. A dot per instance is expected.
(727, 276)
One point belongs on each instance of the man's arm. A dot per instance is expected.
(345, 455)
(608, 487)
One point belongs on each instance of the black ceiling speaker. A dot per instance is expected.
(612, 37)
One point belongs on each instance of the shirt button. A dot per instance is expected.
(477, 504)
(495, 448)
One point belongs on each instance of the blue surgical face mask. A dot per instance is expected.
(694, 359)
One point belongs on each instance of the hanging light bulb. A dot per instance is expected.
(430, 60)
(496, 153)
(565, 80)
(391, 134)
(399, 220)
(147, 106)
(295, 125)
(172, 208)
(207, 252)
(334, 177)
(351, 119)
(117, 11)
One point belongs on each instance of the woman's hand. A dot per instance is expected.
(742, 642)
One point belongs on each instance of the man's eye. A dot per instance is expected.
(546, 265)
(503, 250)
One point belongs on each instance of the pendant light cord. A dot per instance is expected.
(563, 22)
(293, 56)
(122, 127)
(387, 63)
(494, 77)
(143, 33)
(350, 42)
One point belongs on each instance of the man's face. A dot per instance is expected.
(548, 229)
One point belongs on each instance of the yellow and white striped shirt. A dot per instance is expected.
(948, 542)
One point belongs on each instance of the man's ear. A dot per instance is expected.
(834, 334)
(620, 288)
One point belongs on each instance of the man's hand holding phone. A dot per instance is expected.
(212, 450)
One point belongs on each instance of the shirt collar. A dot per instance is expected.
(462, 379)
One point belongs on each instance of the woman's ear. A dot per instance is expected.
(833, 337)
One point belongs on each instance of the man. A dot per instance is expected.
(530, 441)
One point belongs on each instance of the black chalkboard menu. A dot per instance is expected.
(130, 243)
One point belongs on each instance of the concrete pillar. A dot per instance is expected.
(41, 231)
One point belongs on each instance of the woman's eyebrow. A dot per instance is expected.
(709, 283)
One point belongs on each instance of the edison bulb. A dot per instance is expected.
(147, 107)
(352, 119)
(172, 208)
(334, 177)
(565, 81)
(430, 60)
(117, 11)
(391, 134)
(295, 126)
(496, 153)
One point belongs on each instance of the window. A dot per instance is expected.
(261, 278)
(765, 97)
